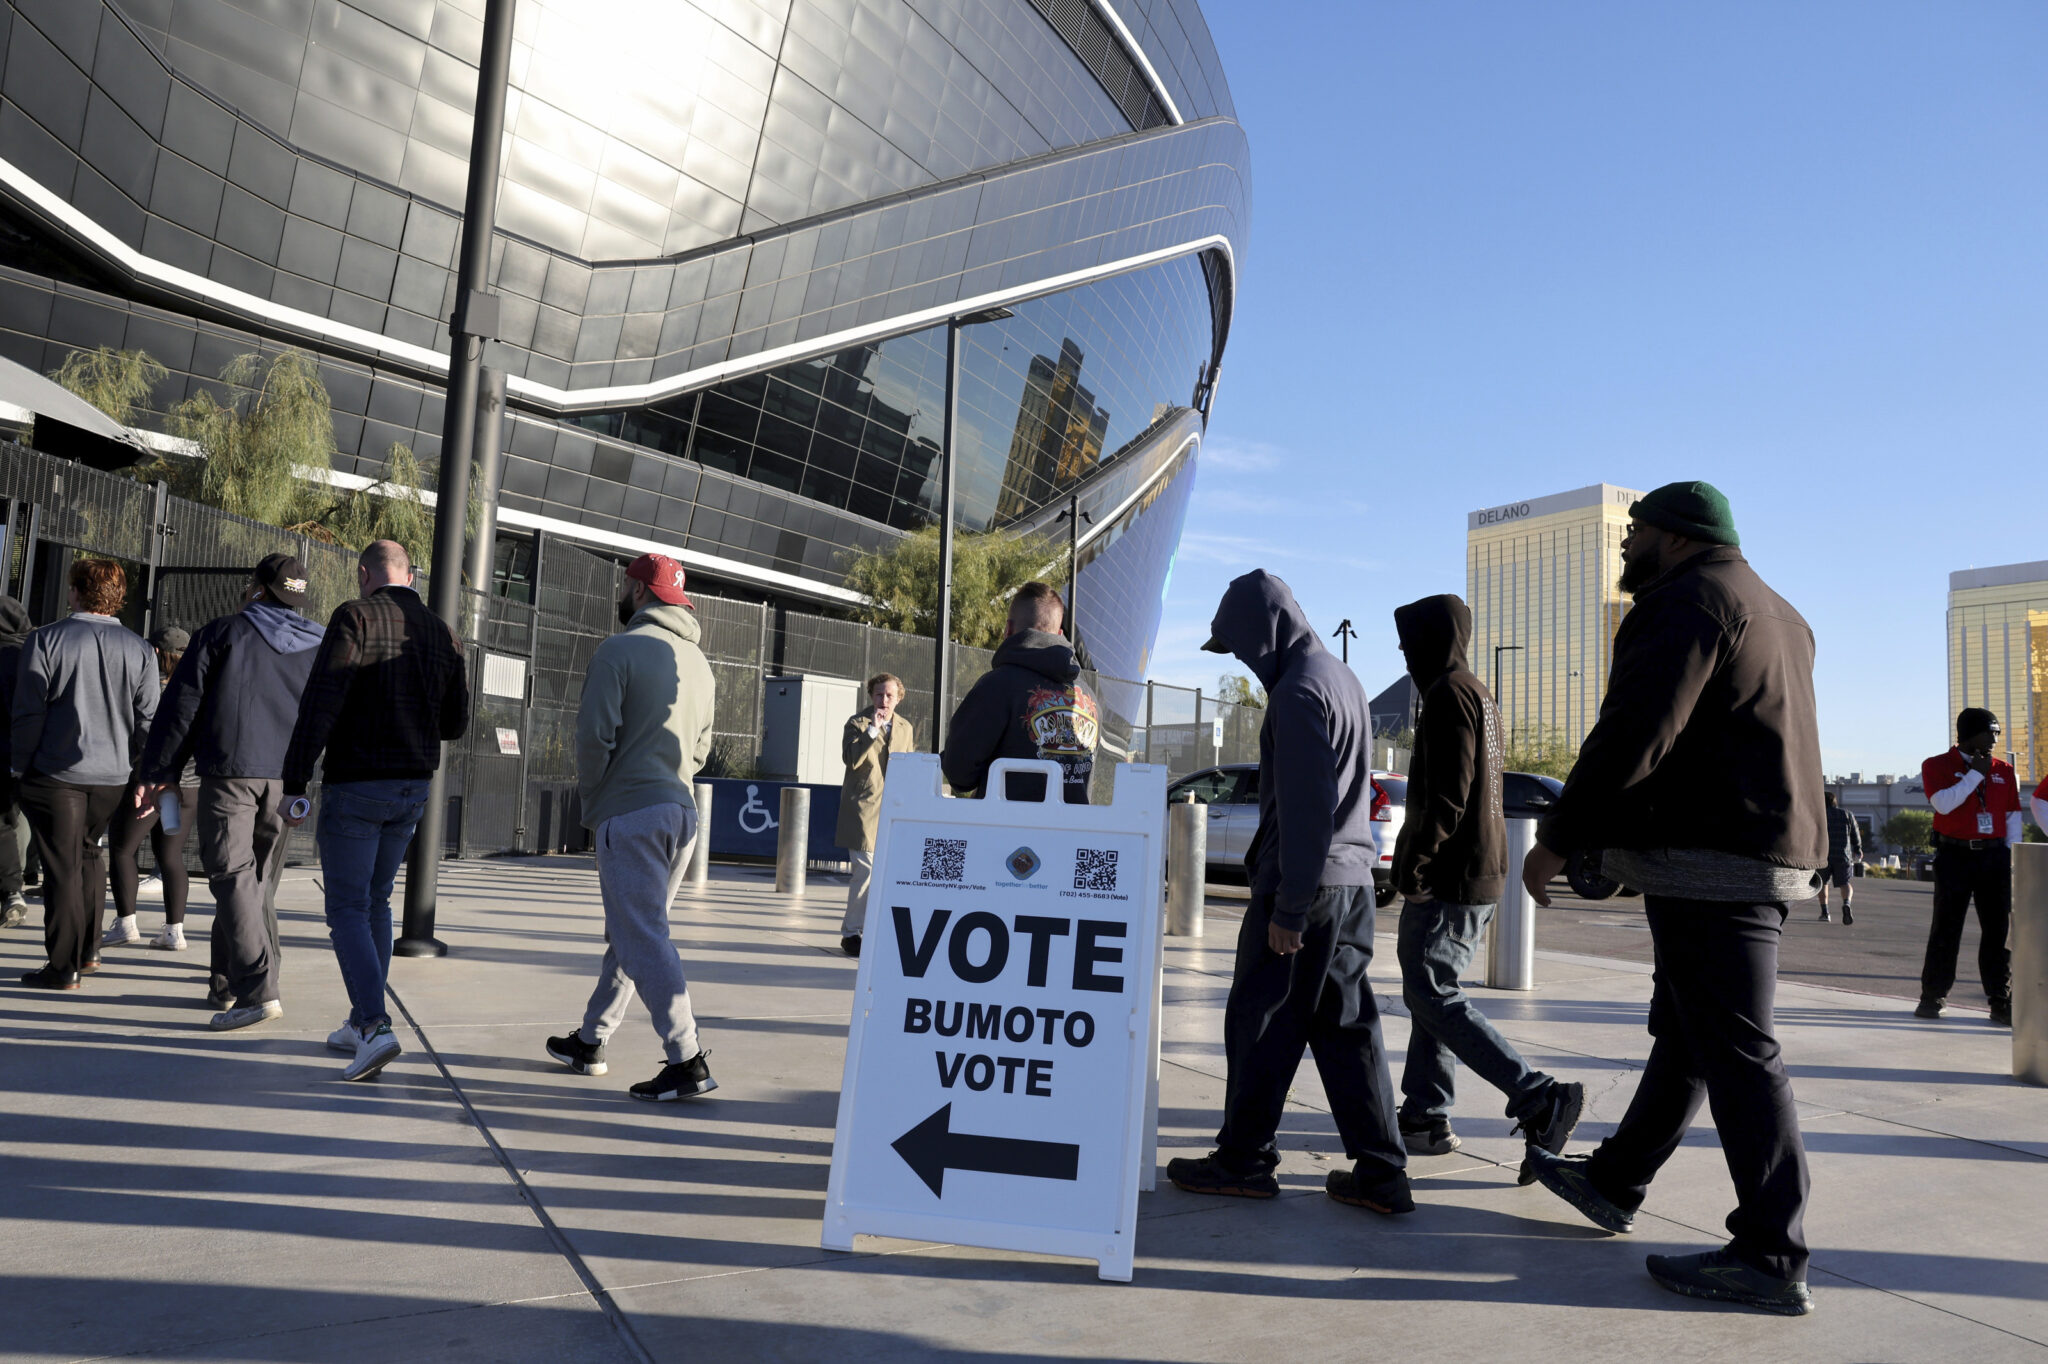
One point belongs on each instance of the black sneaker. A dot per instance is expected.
(678, 1080)
(1848, 916)
(1718, 1275)
(1824, 916)
(1565, 1176)
(850, 945)
(578, 1055)
(1389, 1195)
(1429, 1137)
(1929, 1008)
(50, 978)
(2001, 1013)
(1211, 1174)
(1566, 1102)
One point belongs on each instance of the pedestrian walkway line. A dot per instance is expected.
(599, 1294)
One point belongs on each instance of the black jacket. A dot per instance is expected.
(1453, 843)
(1845, 836)
(1708, 736)
(14, 630)
(1315, 751)
(1030, 704)
(232, 702)
(388, 686)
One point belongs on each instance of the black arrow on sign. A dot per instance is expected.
(932, 1147)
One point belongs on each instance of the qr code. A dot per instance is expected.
(1094, 869)
(945, 859)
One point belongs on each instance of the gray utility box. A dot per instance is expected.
(801, 718)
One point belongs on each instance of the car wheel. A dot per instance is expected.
(1583, 873)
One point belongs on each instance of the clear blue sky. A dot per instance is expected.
(1506, 249)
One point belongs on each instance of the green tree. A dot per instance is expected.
(1542, 749)
(1911, 830)
(1237, 689)
(268, 450)
(901, 583)
(389, 509)
(117, 382)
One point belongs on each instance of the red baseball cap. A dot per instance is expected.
(663, 576)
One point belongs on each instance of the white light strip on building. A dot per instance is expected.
(1137, 55)
(579, 399)
(570, 530)
(1166, 466)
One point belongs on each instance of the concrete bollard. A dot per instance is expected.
(700, 854)
(2030, 963)
(793, 841)
(1187, 868)
(1511, 946)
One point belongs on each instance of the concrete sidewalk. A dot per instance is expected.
(189, 1195)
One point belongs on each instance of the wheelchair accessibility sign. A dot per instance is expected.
(1000, 1057)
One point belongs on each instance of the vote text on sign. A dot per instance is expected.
(1000, 1050)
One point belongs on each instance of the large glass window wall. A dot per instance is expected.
(1047, 397)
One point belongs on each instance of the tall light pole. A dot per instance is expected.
(475, 323)
(1345, 634)
(942, 668)
(1074, 516)
(1498, 650)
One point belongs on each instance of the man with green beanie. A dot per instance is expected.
(1702, 782)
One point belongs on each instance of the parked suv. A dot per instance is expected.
(1231, 794)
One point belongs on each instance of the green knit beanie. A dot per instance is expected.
(1698, 511)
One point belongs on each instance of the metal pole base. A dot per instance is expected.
(419, 947)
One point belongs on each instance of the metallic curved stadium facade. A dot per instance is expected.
(730, 236)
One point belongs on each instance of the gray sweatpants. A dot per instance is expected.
(242, 837)
(640, 861)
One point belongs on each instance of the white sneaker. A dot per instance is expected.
(124, 930)
(172, 939)
(345, 1038)
(247, 1015)
(377, 1050)
(150, 888)
(14, 911)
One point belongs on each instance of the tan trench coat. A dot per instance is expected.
(867, 759)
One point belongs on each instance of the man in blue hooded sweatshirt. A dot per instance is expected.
(230, 706)
(1307, 936)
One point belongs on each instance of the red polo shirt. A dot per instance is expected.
(1996, 796)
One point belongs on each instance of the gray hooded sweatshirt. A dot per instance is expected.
(1315, 750)
(644, 728)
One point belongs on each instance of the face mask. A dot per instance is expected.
(625, 610)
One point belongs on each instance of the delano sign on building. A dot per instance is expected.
(1540, 575)
(1001, 1049)
(1998, 656)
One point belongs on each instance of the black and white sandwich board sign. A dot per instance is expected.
(1000, 1058)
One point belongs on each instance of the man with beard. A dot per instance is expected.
(1702, 781)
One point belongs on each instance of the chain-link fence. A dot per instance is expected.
(511, 780)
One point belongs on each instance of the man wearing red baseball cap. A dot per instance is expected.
(642, 732)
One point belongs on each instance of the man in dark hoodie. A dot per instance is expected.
(1028, 705)
(14, 628)
(1451, 865)
(1306, 939)
(1702, 781)
(230, 708)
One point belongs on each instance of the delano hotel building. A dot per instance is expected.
(1540, 577)
(1998, 656)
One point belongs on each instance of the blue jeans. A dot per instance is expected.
(1435, 946)
(365, 828)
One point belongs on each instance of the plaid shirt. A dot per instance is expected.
(388, 686)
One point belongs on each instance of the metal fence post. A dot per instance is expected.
(1187, 867)
(1511, 946)
(152, 569)
(793, 841)
(700, 852)
(2030, 963)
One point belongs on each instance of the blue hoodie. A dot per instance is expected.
(1315, 750)
(232, 702)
